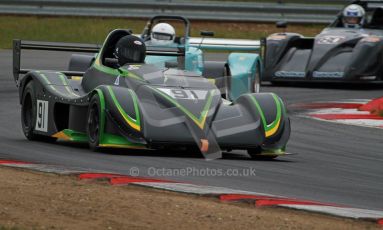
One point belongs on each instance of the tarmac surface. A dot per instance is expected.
(331, 163)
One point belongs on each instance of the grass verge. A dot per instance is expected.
(34, 200)
(94, 30)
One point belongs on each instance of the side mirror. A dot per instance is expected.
(207, 33)
(281, 24)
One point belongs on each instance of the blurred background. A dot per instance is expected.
(90, 20)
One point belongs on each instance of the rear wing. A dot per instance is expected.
(19, 45)
(365, 2)
(224, 44)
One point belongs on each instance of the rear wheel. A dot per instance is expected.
(29, 113)
(278, 83)
(94, 122)
(227, 76)
(256, 84)
(256, 153)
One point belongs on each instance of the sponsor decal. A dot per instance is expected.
(134, 67)
(290, 74)
(42, 116)
(276, 37)
(242, 58)
(372, 39)
(117, 82)
(138, 43)
(185, 94)
(330, 39)
(328, 74)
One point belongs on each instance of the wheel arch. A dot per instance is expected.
(100, 91)
(271, 111)
(118, 118)
(23, 83)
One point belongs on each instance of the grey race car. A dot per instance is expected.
(337, 54)
(142, 106)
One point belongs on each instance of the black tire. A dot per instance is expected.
(28, 115)
(227, 76)
(28, 111)
(94, 122)
(256, 83)
(255, 153)
(278, 83)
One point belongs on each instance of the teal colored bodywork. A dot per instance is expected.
(193, 60)
(243, 66)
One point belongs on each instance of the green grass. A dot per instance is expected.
(94, 30)
(9, 228)
(86, 30)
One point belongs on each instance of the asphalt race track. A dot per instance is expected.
(332, 162)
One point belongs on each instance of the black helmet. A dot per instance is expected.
(130, 49)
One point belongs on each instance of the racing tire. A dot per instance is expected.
(29, 115)
(278, 83)
(256, 83)
(255, 153)
(227, 76)
(94, 122)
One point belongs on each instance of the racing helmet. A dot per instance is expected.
(162, 34)
(130, 49)
(353, 16)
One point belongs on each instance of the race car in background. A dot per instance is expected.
(240, 73)
(141, 105)
(337, 54)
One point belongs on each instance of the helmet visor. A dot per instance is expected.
(162, 36)
(352, 20)
(131, 55)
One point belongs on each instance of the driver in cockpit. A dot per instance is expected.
(354, 17)
(163, 34)
(130, 50)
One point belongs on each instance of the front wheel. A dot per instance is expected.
(94, 122)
